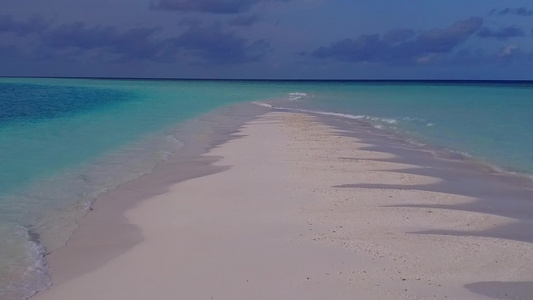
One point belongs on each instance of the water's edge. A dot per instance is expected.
(215, 128)
(496, 193)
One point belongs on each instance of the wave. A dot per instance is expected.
(296, 96)
(385, 124)
(334, 114)
(22, 259)
(263, 104)
(59, 201)
(418, 121)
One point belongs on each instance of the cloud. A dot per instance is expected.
(444, 40)
(134, 43)
(519, 11)
(427, 59)
(243, 20)
(508, 50)
(21, 28)
(207, 6)
(502, 34)
(401, 46)
(367, 47)
(78, 41)
(202, 44)
(137, 43)
(214, 46)
(398, 35)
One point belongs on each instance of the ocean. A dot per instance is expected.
(65, 142)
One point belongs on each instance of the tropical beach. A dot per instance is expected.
(277, 182)
(370, 179)
(266, 149)
(293, 207)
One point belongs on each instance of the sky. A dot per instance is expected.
(268, 39)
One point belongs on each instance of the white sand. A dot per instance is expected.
(274, 226)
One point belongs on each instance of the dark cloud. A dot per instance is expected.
(22, 28)
(214, 46)
(210, 6)
(137, 43)
(401, 46)
(501, 34)
(367, 47)
(519, 11)
(243, 20)
(444, 40)
(398, 35)
(78, 41)
(203, 44)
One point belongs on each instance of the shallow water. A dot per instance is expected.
(65, 142)
(489, 121)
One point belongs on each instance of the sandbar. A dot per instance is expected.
(293, 207)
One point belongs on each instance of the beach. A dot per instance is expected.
(293, 206)
(266, 149)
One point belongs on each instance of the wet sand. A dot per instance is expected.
(295, 207)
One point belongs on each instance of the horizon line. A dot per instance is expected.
(278, 80)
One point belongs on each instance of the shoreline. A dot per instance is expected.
(309, 223)
(198, 136)
(340, 120)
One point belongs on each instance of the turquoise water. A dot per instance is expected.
(492, 122)
(67, 141)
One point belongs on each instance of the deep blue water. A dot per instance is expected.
(30, 102)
